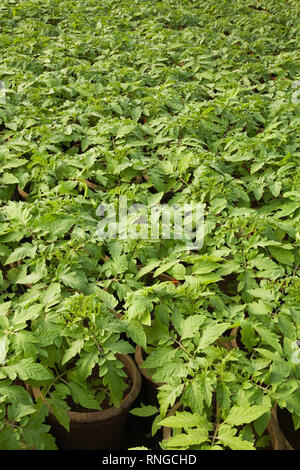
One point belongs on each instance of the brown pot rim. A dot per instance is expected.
(109, 413)
(22, 192)
(138, 356)
(167, 432)
(233, 333)
(279, 441)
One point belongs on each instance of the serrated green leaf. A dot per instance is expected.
(211, 333)
(83, 397)
(73, 350)
(245, 414)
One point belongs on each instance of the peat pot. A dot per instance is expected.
(97, 430)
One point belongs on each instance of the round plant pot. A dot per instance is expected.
(97, 430)
(150, 388)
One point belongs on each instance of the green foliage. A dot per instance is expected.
(22, 422)
(84, 361)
